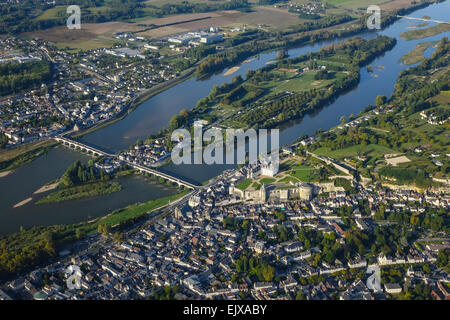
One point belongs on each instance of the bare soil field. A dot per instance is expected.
(260, 16)
(179, 17)
(109, 28)
(58, 34)
(90, 31)
(395, 5)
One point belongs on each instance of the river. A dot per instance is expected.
(155, 113)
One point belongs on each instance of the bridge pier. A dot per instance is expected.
(91, 150)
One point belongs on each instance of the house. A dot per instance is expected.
(392, 288)
(293, 247)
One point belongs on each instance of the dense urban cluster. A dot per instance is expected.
(80, 90)
(215, 245)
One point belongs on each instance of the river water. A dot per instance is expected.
(155, 113)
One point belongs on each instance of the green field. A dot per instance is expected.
(372, 150)
(244, 184)
(84, 45)
(60, 12)
(267, 180)
(53, 13)
(137, 210)
(302, 174)
(355, 4)
(303, 82)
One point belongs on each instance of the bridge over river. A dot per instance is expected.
(96, 152)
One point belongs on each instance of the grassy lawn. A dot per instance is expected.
(306, 82)
(136, 210)
(289, 179)
(256, 186)
(302, 174)
(244, 184)
(372, 150)
(267, 180)
(84, 45)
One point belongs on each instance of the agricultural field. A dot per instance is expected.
(96, 35)
(371, 150)
(356, 4)
(53, 13)
(72, 40)
(305, 82)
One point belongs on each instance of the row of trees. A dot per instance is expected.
(324, 22)
(15, 18)
(197, 7)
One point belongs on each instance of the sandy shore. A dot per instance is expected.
(21, 203)
(234, 69)
(231, 71)
(5, 173)
(47, 188)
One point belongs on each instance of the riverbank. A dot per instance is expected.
(24, 250)
(416, 55)
(23, 202)
(21, 155)
(425, 33)
(46, 188)
(5, 173)
(231, 71)
(138, 101)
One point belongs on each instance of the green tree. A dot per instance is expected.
(380, 100)
(300, 296)
(268, 273)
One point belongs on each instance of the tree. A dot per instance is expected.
(118, 236)
(300, 296)
(380, 100)
(174, 123)
(268, 273)
(184, 113)
(342, 119)
(80, 234)
(103, 229)
(414, 220)
(282, 54)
